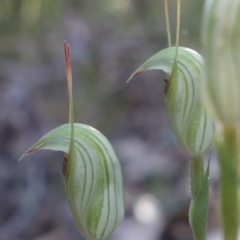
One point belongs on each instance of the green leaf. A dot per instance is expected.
(193, 128)
(92, 178)
(198, 213)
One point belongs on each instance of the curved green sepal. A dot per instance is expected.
(92, 177)
(193, 128)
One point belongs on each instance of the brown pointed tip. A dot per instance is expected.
(67, 57)
(22, 156)
(133, 75)
(130, 78)
(27, 153)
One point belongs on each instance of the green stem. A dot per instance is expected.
(227, 152)
(198, 212)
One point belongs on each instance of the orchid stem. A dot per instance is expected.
(227, 151)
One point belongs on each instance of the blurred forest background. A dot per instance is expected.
(108, 40)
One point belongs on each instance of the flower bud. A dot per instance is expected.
(192, 127)
(92, 177)
(92, 173)
(221, 42)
